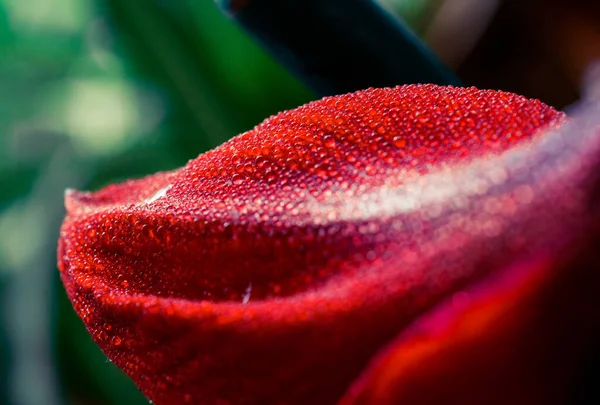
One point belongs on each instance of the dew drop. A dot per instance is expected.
(237, 179)
(247, 293)
(328, 141)
(399, 141)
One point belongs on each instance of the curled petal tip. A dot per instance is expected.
(73, 199)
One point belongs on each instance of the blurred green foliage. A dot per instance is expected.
(92, 92)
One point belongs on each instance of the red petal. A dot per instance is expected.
(272, 268)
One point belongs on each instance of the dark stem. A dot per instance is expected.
(338, 46)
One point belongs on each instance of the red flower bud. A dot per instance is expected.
(275, 268)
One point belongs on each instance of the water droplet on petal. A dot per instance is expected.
(399, 141)
(328, 141)
(247, 293)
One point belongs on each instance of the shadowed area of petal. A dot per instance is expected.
(272, 268)
(521, 338)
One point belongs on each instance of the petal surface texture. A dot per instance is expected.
(272, 269)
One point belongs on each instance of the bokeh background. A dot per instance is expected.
(96, 91)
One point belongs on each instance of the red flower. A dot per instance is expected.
(420, 244)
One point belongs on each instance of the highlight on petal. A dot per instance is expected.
(273, 268)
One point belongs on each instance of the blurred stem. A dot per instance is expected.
(168, 49)
(457, 26)
(338, 46)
